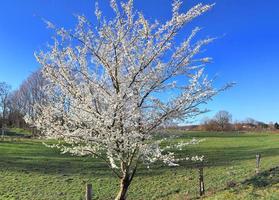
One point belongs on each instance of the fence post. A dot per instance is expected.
(2, 133)
(201, 180)
(89, 194)
(258, 160)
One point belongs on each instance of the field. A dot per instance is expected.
(29, 170)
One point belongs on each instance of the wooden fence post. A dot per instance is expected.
(258, 160)
(2, 133)
(201, 180)
(89, 194)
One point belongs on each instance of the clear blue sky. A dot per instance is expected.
(246, 52)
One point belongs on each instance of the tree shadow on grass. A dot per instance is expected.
(215, 157)
(33, 156)
(226, 135)
(261, 181)
(264, 179)
(15, 134)
(30, 156)
(54, 166)
(225, 156)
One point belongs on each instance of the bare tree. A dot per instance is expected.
(209, 125)
(15, 114)
(30, 92)
(21, 101)
(251, 121)
(4, 94)
(223, 119)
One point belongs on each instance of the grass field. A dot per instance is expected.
(29, 170)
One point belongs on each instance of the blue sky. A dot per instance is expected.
(246, 50)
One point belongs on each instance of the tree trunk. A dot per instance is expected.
(125, 182)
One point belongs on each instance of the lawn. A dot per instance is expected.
(29, 170)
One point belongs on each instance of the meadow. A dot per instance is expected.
(29, 170)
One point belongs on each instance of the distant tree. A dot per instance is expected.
(271, 125)
(210, 125)
(105, 83)
(276, 125)
(4, 101)
(14, 105)
(31, 91)
(251, 122)
(15, 114)
(262, 125)
(223, 119)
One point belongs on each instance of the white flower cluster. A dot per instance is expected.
(181, 145)
(197, 158)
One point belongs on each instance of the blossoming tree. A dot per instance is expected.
(107, 86)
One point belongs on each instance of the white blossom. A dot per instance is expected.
(105, 86)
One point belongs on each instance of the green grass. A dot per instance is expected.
(18, 132)
(29, 170)
(262, 186)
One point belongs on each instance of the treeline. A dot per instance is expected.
(222, 121)
(15, 105)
